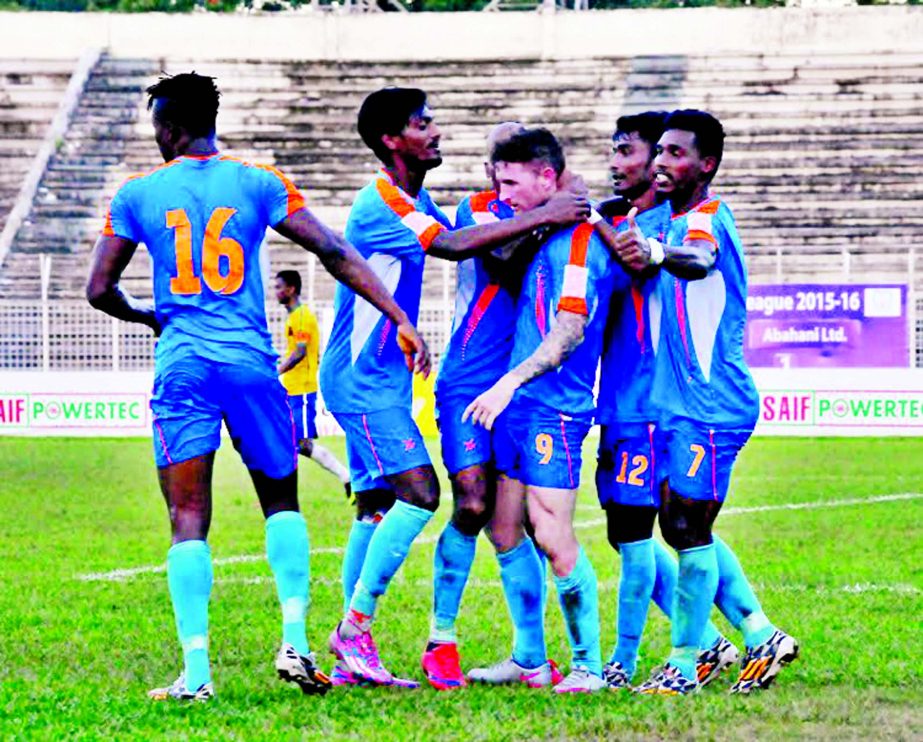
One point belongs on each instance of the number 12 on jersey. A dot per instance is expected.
(213, 248)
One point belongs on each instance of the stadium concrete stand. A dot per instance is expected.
(820, 162)
(29, 94)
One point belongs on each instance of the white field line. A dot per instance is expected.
(120, 575)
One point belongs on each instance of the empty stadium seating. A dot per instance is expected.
(820, 167)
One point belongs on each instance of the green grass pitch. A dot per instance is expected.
(842, 573)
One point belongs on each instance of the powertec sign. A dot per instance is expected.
(75, 404)
(842, 402)
(73, 411)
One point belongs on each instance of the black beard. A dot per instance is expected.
(421, 166)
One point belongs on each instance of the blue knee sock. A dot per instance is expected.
(189, 577)
(636, 586)
(386, 553)
(580, 605)
(665, 592)
(543, 563)
(736, 600)
(696, 584)
(354, 557)
(521, 574)
(287, 550)
(451, 565)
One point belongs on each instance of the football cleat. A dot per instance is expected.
(615, 676)
(340, 675)
(359, 655)
(178, 691)
(716, 659)
(668, 682)
(442, 666)
(764, 661)
(580, 680)
(509, 671)
(301, 670)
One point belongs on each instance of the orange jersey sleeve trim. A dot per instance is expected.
(425, 227)
(296, 200)
(698, 234)
(482, 201)
(576, 276)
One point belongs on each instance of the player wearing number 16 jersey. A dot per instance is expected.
(203, 216)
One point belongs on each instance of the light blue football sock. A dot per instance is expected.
(636, 586)
(665, 592)
(580, 606)
(543, 563)
(736, 599)
(695, 592)
(521, 575)
(387, 551)
(451, 567)
(353, 558)
(189, 577)
(288, 552)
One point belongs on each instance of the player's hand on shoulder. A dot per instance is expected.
(487, 407)
(565, 208)
(414, 349)
(573, 183)
(631, 246)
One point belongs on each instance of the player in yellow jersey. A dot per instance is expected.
(298, 373)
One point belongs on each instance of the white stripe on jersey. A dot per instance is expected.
(366, 316)
(418, 222)
(705, 302)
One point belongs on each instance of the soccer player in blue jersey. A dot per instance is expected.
(708, 406)
(477, 355)
(394, 225)
(202, 216)
(546, 398)
(626, 477)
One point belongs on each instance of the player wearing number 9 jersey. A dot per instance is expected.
(546, 398)
(203, 216)
(708, 406)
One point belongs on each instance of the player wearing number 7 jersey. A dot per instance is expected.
(708, 406)
(203, 216)
(626, 476)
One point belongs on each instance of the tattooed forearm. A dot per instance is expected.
(564, 337)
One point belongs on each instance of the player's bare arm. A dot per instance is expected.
(346, 265)
(564, 337)
(296, 357)
(693, 260)
(563, 209)
(111, 256)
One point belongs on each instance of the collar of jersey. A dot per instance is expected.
(698, 206)
(200, 158)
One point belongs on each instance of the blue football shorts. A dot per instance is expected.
(464, 444)
(379, 444)
(539, 446)
(193, 395)
(699, 460)
(629, 469)
(304, 412)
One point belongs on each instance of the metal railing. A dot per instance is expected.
(58, 335)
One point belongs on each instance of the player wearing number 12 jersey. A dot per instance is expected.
(626, 476)
(202, 216)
